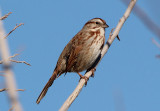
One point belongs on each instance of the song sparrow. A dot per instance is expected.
(80, 53)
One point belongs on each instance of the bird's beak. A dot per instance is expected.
(105, 26)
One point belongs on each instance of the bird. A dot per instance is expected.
(80, 53)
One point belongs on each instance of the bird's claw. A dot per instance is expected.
(93, 70)
(83, 77)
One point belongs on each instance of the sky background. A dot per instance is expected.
(128, 77)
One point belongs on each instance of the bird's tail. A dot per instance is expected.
(45, 89)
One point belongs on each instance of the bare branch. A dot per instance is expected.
(13, 56)
(16, 60)
(146, 20)
(5, 16)
(13, 29)
(20, 62)
(79, 87)
(111, 33)
(156, 43)
(9, 75)
(20, 90)
(5, 89)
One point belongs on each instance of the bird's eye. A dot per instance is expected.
(97, 23)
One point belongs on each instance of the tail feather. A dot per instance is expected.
(45, 89)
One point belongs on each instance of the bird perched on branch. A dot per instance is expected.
(80, 53)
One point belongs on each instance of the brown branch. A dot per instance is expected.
(20, 62)
(1, 62)
(13, 29)
(5, 16)
(13, 56)
(16, 60)
(5, 89)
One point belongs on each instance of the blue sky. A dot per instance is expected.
(127, 79)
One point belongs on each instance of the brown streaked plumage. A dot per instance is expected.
(80, 53)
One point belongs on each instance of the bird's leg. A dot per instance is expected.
(83, 77)
(93, 70)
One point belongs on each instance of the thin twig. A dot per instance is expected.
(111, 33)
(1, 62)
(9, 75)
(13, 56)
(13, 29)
(20, 62)
(156, 43)
(5, 16)
(79, 87)
(16, 60)
(5, 89)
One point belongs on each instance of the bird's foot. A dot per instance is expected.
(83, 77)
(93, 70)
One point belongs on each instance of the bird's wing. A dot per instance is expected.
(72, 57)
(74, 51)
